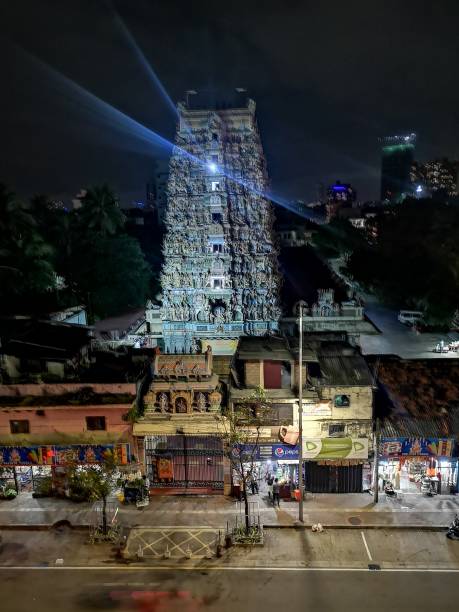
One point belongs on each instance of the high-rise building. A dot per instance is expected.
(220, 276)
(339, 195)
(397, 159)
(435, 178)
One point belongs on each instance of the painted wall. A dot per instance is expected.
(65, 424)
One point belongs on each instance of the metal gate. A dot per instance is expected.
(333, 478)
(185, 464)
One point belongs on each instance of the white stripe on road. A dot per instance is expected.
(366, 546)
(210, 568)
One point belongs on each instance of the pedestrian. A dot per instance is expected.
(276, 493)
(269, 482)
(253, 484)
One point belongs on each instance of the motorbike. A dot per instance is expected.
(453, 531)
(427, 487)
(389, 490)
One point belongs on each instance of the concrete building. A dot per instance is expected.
(327, 315)
(177, 431)
(337, 408)
(44, 427)
(220, 277)
(397, 156)
(339, 195)
(140, 328)
(436, 178)
(39, 350)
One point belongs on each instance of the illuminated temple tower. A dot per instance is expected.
(220, 277)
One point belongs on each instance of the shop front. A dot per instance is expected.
(275, 459)
(24, 467)
(336, 465)
(409, 464)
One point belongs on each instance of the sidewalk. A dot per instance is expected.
(347, 510)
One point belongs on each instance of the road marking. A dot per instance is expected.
(366, 546)
(210, 568)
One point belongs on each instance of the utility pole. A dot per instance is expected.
(376, 463)
(300, 416)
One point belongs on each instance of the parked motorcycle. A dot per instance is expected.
(427, 487)
(389, 490)
(453, 531)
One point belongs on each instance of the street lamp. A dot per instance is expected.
(301, 304)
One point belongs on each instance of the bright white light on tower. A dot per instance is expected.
(212, 167)
(419, 189)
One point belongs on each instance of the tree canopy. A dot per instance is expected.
(414, 262)
(52, 258)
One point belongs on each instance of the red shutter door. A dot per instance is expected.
(272, 374)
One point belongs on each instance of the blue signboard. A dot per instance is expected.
(427, 447)
(264, 452)
(60, 455)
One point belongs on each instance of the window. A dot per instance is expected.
(214, 136)
(217, 247)
(217, 283)
(214, 159)
(215, 185)
(217, 217)
(342, 401)
(19, 427)
(95, 423)
(336, 428)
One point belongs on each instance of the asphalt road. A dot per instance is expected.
(398, 339)
(240, 590)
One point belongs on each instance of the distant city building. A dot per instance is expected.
(396, 162)
(157, 189)
(437, 177)
(339, 195)
(220, 275)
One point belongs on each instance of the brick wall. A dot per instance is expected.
(253, 371)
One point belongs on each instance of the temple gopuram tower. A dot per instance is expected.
(220, 276)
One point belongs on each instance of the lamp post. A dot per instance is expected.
(300, 414)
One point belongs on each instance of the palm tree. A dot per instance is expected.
(16, 216)
(25, 257)
(100, 212)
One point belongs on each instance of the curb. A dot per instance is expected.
(40, 527)
(363, 526)
(49, 527)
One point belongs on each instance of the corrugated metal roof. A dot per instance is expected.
(447, 426)
(265, 347)
(345, 370)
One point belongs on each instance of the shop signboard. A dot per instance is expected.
(265, 452)
(427, 447)
(60, 455)
(323, 409)
(335, 448)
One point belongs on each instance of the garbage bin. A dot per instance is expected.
(296, 494)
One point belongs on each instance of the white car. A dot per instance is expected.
(410, 317)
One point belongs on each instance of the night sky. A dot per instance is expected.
(328, 79)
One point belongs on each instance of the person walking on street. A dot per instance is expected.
(252, 483)
(270, 482)
(276, 493)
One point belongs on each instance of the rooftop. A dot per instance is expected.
(420, 389)
(27, 337)
(342, 365)
(274, 348)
